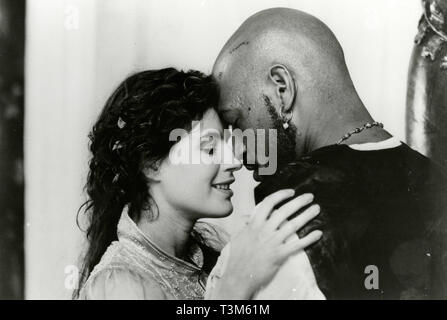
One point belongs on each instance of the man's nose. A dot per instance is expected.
(239, 150)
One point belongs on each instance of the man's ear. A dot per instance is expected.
(285, 86)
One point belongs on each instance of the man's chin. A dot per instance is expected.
(256, 176)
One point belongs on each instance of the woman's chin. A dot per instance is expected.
(224, 210)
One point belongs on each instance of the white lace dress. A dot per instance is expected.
(135, 268)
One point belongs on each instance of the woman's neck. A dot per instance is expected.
(170, 230)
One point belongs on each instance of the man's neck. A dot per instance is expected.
(331, 135)
(325, 121)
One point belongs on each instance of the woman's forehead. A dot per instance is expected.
(210, 122)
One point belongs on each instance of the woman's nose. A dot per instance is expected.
(234, 166)
(230, 162)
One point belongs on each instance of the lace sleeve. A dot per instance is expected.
(211, 235)
(121, 284)
(216, 274)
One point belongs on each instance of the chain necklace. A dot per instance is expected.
(367, 125)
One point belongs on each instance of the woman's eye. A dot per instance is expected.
(208, 151)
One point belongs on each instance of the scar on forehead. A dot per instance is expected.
(244, 43)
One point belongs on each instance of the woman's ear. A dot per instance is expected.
(152, 171)
(284, 86)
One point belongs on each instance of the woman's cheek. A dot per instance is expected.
(193, 186)
(203, 196)
(190, 188)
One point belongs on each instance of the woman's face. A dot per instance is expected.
(195, 179)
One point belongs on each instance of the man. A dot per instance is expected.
(383, 205)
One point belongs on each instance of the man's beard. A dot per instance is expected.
(285, 139)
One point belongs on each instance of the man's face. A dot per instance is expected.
(247, 108)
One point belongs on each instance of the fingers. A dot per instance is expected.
(288, 209)
(263, 209)
(294, 246)
(292, 226)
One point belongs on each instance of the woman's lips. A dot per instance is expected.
(224, 187)
(227, 192)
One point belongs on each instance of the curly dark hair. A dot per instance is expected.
(131, 134)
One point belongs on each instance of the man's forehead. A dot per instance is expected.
(233, 99)
(219, 75)
(228, 94)
(219, 68)
(229, 113)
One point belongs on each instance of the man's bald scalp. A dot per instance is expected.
(287, 36)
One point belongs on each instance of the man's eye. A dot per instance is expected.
(237, 123)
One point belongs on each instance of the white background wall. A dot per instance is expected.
(79, 50)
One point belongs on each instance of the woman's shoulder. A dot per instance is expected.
(121, 283)
(114, 278)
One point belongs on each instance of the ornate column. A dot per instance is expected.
(426, 117)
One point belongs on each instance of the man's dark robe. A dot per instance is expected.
(386, 208)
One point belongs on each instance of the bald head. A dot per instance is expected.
(286, 66)
(280, 35)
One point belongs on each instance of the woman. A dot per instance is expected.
(144, 241)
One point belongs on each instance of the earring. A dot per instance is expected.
(285, 124)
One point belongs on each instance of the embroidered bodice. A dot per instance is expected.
(135, 268)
